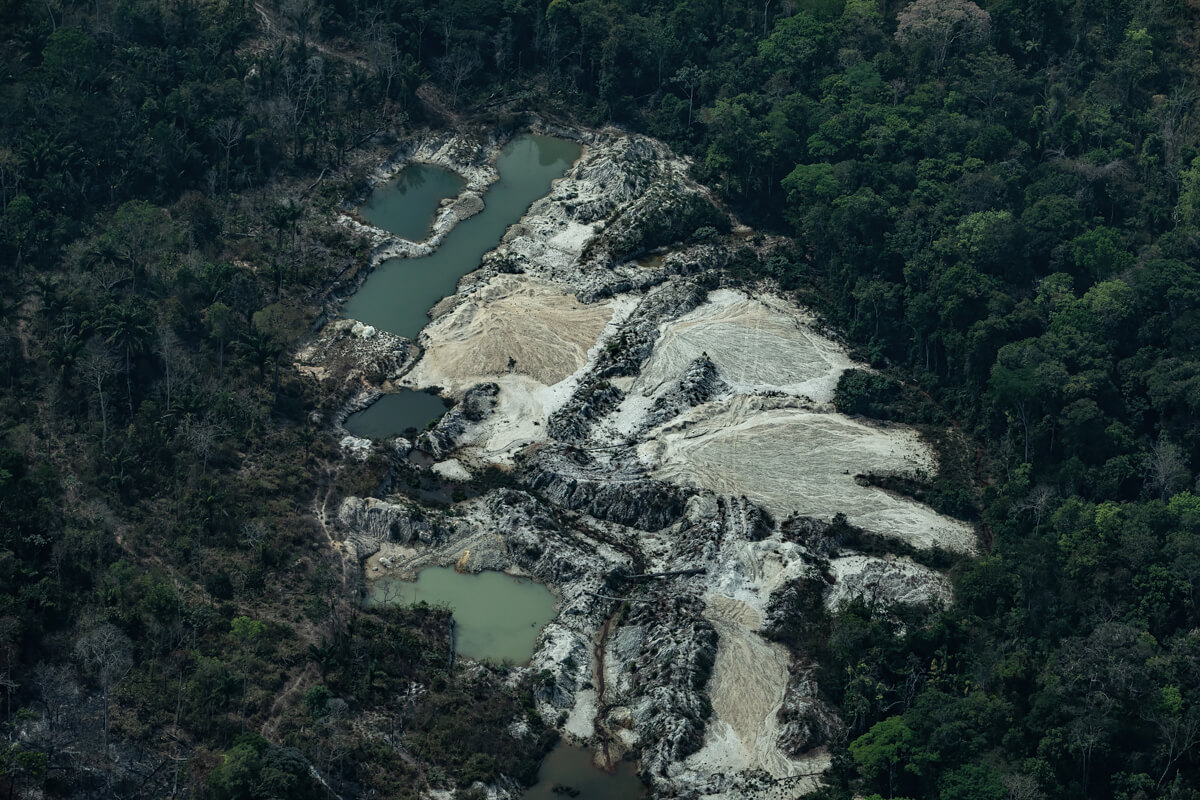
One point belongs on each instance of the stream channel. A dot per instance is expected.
(497, 617)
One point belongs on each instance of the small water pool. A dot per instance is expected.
(404, 413)
(408, 203)
(497, 617)
(569, 772)
(397, 296)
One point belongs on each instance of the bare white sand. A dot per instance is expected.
(747, 688)
(551, 339)
(793, 460)
(545, 331)
(760, 343)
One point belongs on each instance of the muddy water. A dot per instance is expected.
(496, 617)
(398, 295)
(404, 412)
(406, 205)
(569, 772)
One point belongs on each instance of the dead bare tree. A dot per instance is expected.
(107, 654)
(1166, 469)
(254, 533)
(202, 437)
(174, 358)
(1022, 787)
(1038, 503)
(58, 689)
(456, 68)
(228, 132)
(301, 94)
(99, 366)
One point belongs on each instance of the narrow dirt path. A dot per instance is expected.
(273, 28)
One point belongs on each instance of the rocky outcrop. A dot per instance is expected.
(347, 355)
(572, 479)
(699, 384)
(806, 721)
(369, 522)
(660, 662)
(626, 172)
(593, 399)
(665, 214)
(445, 436)
(635, 341)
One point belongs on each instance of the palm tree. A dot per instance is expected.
(126, 327)
(62, 352)
(259, 348)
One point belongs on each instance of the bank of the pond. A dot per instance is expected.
(407, 204)
(497, 617)
(398, 295)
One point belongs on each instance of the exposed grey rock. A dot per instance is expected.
(661, 661)
(573, 480)
(367, 522)
(665, 213)
(806, 721)
(699, 384)
(592, 400)
(342, 362)
(467, 205)
(444, 437)
(633, 345)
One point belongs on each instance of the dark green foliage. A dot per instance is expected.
(253, 769)
(868, 393)
(461, 728)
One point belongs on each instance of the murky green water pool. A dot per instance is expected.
(408, 203)
(496, 617)
(404, 412)
(569, 772)
(397, 296)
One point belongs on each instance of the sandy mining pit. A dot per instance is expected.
(512, 325)
(662, 395)
(756, 343)
(747, 690)
(532, 338)
(793, 460)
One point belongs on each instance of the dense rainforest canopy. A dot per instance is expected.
(998, 202)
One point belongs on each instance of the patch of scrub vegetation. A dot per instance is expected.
(662, 216)
(475, 728)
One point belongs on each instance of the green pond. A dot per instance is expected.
(397, 296)
(408, 203)
(396, 414)
(569, 772)
(496, 617)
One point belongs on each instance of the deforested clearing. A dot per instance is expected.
(756, 343)
(514, 325)
(794, 460)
